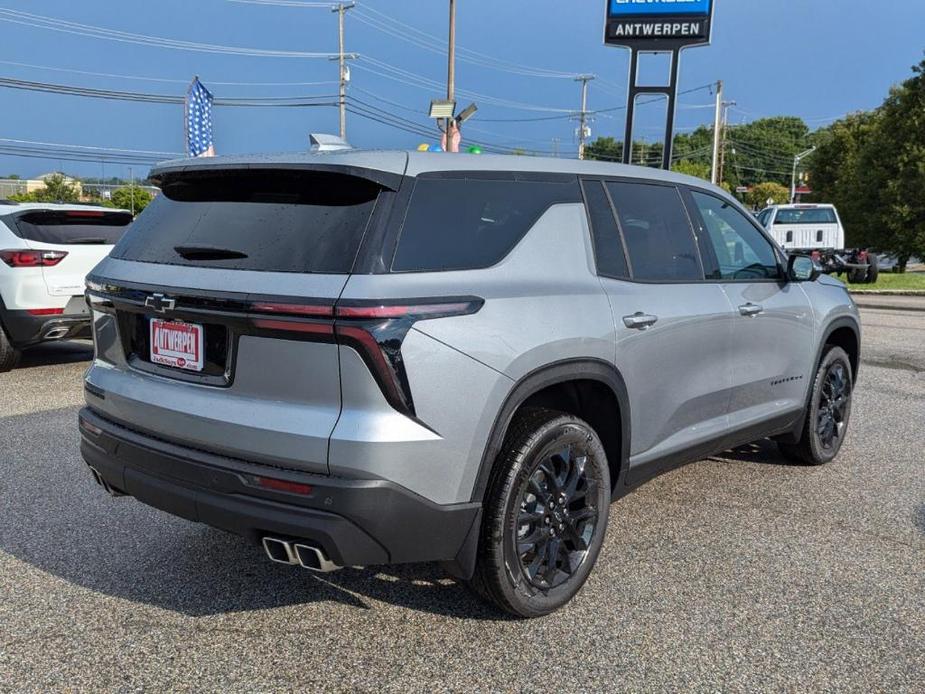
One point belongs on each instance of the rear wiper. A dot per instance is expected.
(89, 240)
(208, 253)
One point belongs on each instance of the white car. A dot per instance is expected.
(46, 251)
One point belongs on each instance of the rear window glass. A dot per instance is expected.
(656, 231)
(65, 227)
(465, 224)
(279, 221)
(815, 215)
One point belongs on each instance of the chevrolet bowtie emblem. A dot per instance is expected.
(160, 303)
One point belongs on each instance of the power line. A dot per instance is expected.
(282, 101)
(285, 3)
(165, 80)
(422, 39)
(87, 30)
(416, 80)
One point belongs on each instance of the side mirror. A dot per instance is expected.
(802, 268)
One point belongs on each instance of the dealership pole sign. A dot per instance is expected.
(656, 26)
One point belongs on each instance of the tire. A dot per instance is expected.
(9, 355)
(874, 270)
(829, 411)
(857, 276)
(539, 465)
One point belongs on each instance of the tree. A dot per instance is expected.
(57, 189)
(835, 177)
(605, 149)
(872, 167)
(699, 169)
(892, 162)
(759, 194)
(131, 197)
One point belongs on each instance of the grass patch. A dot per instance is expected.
(906, 281)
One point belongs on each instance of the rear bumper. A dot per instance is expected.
(25, 330)
(355, 522)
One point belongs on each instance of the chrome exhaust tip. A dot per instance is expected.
(314, 559)
(279, 551)
(55, 333)
(100, 480)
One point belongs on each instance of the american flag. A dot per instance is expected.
(199, 120)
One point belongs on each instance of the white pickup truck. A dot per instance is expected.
(817, 230)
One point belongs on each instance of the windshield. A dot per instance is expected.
(809, 215)
(279, 221)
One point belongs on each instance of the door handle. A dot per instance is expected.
(750, 309)
(639, 320)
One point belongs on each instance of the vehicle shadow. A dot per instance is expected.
(57, 520)
(65, 352)
(764, 452)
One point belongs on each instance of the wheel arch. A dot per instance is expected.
(844, 332)
(554, 378)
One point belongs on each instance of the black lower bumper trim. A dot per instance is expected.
(356, 522)
(26, 330)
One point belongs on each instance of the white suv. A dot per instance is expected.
(46, 252)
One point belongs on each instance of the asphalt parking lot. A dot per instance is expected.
(739, 572)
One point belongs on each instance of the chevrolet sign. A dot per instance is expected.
(658, 24)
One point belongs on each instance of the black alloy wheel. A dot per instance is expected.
(557, 518)
(825, 422)
(832, 409)
(545, 513)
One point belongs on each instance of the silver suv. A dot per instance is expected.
(360, 358)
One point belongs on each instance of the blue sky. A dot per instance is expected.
(820, 60)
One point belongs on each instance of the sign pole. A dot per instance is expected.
(656, 26)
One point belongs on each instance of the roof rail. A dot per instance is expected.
(322, 142)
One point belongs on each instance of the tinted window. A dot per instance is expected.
(283, 221)
(608, 248)
(657, 232)
(810, 215)
(71, 226)
(458, 224)
(763, 217)
(741, 250)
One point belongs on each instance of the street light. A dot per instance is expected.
(793, 178)
(442, 108)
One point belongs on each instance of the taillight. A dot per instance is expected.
(374, 329)
(45, 311)
(22, 258)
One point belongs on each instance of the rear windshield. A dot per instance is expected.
(66, 227)
(278, 221)
(466, 224)
(813, 215)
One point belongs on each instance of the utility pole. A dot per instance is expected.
(341, 10)
(722, 147)
(450, 70)
(793, 178)
(583, 129)
(717, 124)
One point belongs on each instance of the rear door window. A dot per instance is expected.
(470, 223)
(657, 232)
(278, 221)
(70, 227)
(608, 247)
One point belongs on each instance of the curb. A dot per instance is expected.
(888, 292)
